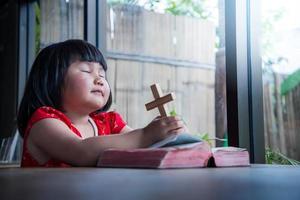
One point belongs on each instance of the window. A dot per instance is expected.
(281, 79)
(179, 46)
(58, 21)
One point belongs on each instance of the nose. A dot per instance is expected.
(98, 81)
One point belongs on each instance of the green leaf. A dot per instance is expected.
(225, 144)
(291, 82)
(205, 137)
(173, 112)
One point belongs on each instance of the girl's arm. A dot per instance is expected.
(56, 140)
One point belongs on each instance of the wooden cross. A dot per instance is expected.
(160, 100)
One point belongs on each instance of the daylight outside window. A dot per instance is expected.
(177, 44)
(281, 80)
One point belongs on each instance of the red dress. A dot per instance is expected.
(107, 123)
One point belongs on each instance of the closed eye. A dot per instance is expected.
(86, 71)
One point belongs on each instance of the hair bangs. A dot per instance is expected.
(79, 50)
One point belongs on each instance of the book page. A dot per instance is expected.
(226, 149)
(176, 140)
(164, 141)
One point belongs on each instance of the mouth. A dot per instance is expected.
(98, 92)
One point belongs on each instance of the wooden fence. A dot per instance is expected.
(60, 20)
(143, 48)
(282, 118)
(176, 52)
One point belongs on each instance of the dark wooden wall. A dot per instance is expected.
(8, 66)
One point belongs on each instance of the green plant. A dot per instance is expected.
(113, 2)
(173, 112)
(193, 8)
(203, 136)
(275, 157)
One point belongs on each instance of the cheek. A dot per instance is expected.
(77, 84)
(107, 88)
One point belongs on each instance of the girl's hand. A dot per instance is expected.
(163, 127)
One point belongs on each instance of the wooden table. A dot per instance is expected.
(253, 183)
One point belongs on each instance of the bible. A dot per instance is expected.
(182, 151)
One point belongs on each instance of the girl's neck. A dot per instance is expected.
(77, 118)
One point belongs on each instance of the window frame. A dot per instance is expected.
(244, 78)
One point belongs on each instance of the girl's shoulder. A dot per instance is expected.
(46, 112)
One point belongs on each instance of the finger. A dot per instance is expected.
(174, 127)
(169, 134)
(177, 131)
(157, 118)
(163, 121)
(176, 124)
(170, 119)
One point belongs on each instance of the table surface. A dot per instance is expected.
(255, 182)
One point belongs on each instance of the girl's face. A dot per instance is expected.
(85, 87)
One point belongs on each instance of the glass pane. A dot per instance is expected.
(59, 20)
(180, 46)
(281, 78)
(56, 20)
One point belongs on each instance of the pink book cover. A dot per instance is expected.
(230, 156)
(183, 156)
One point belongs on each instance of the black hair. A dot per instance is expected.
(46, 78)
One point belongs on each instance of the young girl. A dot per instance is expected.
(63, 118)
